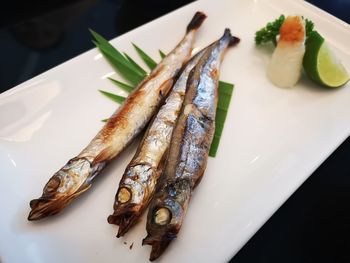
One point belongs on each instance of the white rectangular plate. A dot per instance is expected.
(273, 140)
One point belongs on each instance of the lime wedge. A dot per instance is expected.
(321, 65)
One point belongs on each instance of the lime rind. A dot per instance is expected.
(312, 46)
(321, 65)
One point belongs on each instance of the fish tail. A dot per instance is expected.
(232, 39)
(196, 21)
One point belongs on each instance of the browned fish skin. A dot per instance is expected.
(189, 149)
(139, 180)
(125, 124)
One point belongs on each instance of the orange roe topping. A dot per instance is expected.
(292, 29)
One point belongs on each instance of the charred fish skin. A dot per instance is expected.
(188, 153)
(140, 177)
(122, 127)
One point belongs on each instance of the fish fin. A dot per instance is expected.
(196, 21)
(81, 190)
(104, 155)
(166, 87)
(233, 40)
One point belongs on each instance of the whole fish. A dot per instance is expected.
(122, 127)
(189, 148)
(137, 185)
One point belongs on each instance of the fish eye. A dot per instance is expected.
(124, 195)
(162, 216)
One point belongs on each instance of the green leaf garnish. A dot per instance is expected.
(270, 32)
(107, 47)
(225, 94)
(131, 75)
(114, 97)
(162, 54)
(147, 59)
(134, 73)
(309, 27)
(122, 85)
(135, 65)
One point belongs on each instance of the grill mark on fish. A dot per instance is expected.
(119, 131)
(188, 151)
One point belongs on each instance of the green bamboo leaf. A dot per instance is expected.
(114, 55)
(103, 43)
(113, 97)
(220, 116)
(127, 73)
(147, 59)
(122, 85)
(95, 43)
(162, 54)
(225, 94)
(219, 125)
(226, 87)
(214, 146)
(140, 69)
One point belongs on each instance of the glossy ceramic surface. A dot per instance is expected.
(273, 140)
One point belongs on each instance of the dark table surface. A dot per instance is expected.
(314, 223)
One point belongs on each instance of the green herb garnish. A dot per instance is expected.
(309, 27)
(134, 74)
(270, 32)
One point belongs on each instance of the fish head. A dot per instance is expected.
(132, 197)
(62, 188)
(166, 215)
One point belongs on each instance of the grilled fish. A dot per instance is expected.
(189, 148)
(140, 177)
(122, 127)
